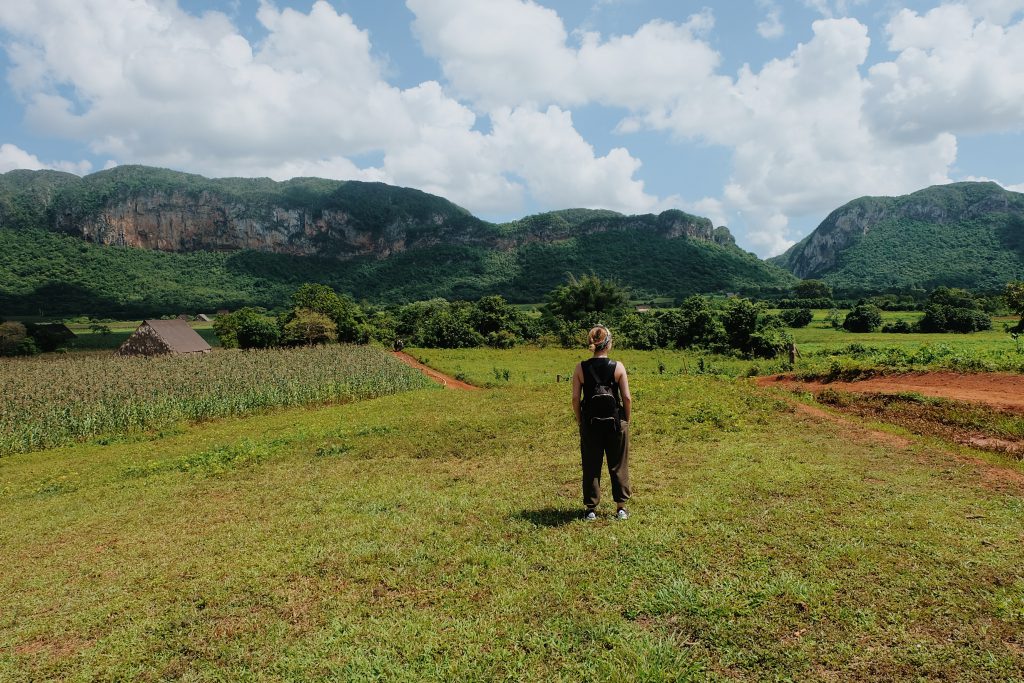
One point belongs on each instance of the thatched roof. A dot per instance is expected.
(55, 330)
(154, 337)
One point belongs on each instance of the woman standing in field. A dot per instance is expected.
(602, 405)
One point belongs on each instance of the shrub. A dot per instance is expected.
(863, 318)
(797, 317)
(252, 320)
(812, 289)
(639, 331)
(307, 327)
(899, 327)
(940, 318)
(14, 340)
(258, 332)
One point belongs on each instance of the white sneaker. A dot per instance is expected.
(590, 516)
(622, 514)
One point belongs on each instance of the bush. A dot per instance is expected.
(14, 340)
(307, 327)
(693, 324)
(899, 327)
(863, 318)
(812, 289)
(942, 318)
(768, 342)
(258, 332)
(229, 329)
(797, 317)
(639, 331)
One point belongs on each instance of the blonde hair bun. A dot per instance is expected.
(599, 338)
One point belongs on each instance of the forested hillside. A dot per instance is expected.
(967, 235)
(142, 241)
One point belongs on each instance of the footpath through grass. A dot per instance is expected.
(434, 535)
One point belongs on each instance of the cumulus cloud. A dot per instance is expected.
(13, 157)
(954, 71)
(145, 81)
(483, 53)
(1018, 187)
(771, 26)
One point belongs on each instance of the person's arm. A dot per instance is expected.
(627, 398)
(577, 389)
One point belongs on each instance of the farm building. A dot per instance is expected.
(56, 331)
(158, 337)
(203, 318)
(643, 309)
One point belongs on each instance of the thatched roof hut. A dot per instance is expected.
(158, 337)
(203, 318)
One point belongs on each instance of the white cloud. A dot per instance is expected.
(953, 72)
(483, 52)
(1018, 187)
(771, 26)
(155, 84)
(13, 157)
(832, 8)
(996, 11)
(801, 145)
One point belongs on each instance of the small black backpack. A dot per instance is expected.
(600, 395)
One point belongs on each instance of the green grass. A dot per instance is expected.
(433, 535)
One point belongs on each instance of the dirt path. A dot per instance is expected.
(439, 377)
(994, 389)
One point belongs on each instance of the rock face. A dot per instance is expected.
(177, 222)
(821, 252)
(149, 208)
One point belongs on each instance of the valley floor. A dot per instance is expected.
(435, 535)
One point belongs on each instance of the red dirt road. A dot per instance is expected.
(994, 389)
(439, 377)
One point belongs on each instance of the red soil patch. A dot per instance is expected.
(853, 428)
(1005, 392)
(1002, 391)
(439, 377)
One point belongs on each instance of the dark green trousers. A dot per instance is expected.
(600, 443)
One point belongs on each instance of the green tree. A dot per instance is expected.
(797, 317)
(1014, 295)
(812, 289)
(348, 317)
(953, 297)
(227, 327)
(306, 327)
(258, 332)
(587, 300)
(14, 340)
(863, 318)
(694, 323)
(740, 318)
(639, 331)
(492, 314)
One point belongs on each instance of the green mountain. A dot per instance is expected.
(967, 235)
(143, 241)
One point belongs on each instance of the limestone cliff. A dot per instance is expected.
(147, 208)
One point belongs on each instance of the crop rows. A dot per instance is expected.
(53, 401)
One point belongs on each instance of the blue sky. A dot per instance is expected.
(761, 114)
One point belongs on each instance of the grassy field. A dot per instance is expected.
(58, 399)
(434, 535)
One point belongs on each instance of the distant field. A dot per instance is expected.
(54, 399)
(435, 535)
(87, 340)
